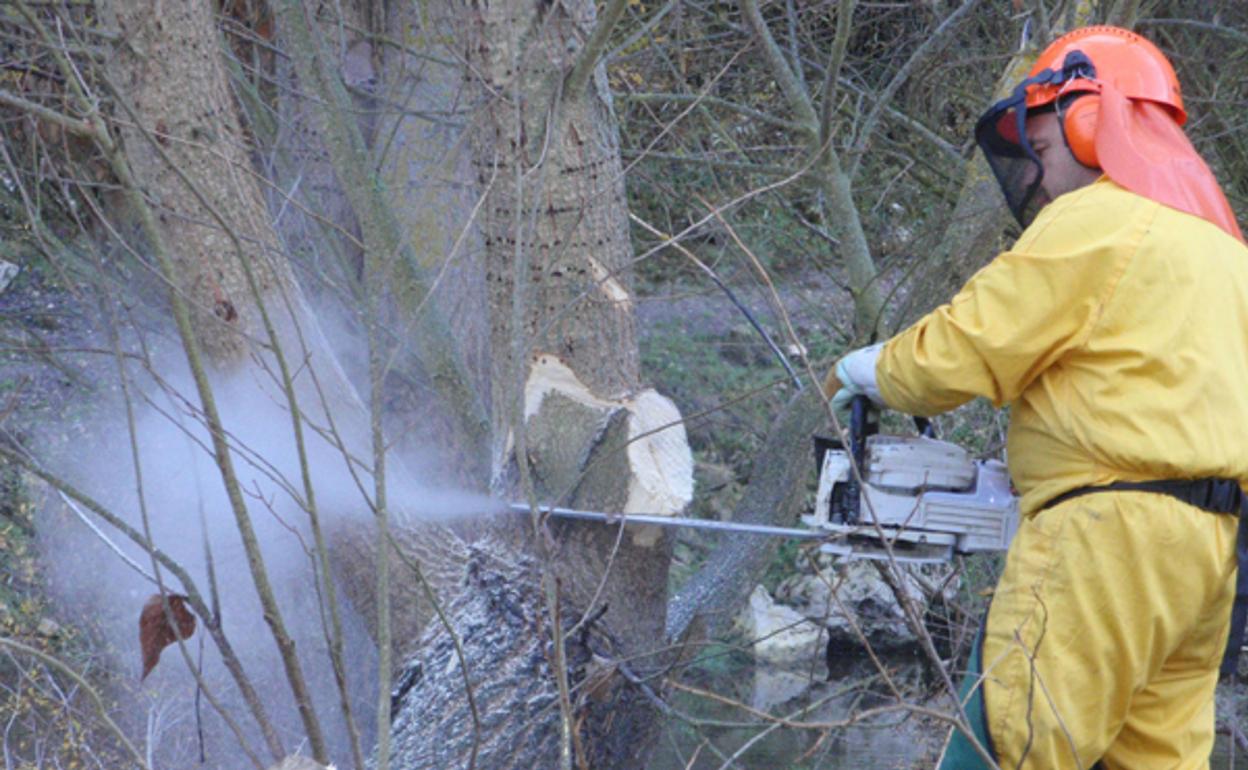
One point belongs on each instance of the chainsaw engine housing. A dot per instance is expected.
(923, 494)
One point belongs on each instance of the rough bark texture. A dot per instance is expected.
(314, 219)
(424, 157)
(186, 108)
(510, 662)
(558, 201)
(555, 253)
(438, 551)
(563, 350)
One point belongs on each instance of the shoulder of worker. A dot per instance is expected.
(1102, 213)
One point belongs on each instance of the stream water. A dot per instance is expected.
(729, 736)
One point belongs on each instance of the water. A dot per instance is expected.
(852, 722)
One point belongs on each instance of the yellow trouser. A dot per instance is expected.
(1105, 634)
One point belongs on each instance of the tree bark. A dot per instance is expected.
(567, 400)
(183, 112)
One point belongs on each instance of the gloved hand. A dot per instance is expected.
(854, 375)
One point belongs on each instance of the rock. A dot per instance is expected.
(299, 762)
(775, 686)
(861, 593)
(48, 627)
(8, 271)
(779, 634)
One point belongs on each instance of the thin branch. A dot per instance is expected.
(798, 99)
(211, 622)
(925, 49)
(73, 125)
(212, 416)
(711, 101)
(455, 640)
(591, 54)
(836, 59)
(641, 31)
(701, 160)
(1231, 33)
(79, 680)
(1123, 13)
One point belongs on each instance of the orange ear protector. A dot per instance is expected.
(1079, 118)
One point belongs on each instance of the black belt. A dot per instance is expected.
(1215, 496)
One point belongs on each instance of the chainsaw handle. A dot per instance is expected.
(859, 417)
(859, 427)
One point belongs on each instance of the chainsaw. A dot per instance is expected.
(914, 499)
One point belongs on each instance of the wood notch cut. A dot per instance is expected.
(659, 463)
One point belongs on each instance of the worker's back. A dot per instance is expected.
(1118, 330)
(1159, 387)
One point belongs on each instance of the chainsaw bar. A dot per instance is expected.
(860, 542)
(671, 521)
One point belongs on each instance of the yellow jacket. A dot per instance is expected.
(1117, 329)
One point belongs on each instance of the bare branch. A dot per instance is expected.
(920, 54)
(795, 95)
(591, 54)
(74, 125)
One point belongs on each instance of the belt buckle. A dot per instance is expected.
(1223, 495)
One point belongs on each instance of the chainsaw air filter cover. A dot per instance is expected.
(899, 464)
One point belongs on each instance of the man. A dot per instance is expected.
(1117, 329)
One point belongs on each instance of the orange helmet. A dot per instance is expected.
(1130, 63)
(1120, 108)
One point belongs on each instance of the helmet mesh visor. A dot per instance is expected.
(1002, 135)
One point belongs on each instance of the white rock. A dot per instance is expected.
(779, 634)
(774, 686)
(299, 762)
(8, 271)
(860, 594)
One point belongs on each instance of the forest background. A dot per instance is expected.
(296, 292)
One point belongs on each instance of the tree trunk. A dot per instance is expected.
(566, 393)
(185, 138)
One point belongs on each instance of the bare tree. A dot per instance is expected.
(449, 180)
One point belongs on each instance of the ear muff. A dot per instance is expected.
(1079, 119)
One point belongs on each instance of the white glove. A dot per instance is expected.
(856, 372)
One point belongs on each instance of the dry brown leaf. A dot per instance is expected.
(155, 633)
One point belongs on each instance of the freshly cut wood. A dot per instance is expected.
(659, 463)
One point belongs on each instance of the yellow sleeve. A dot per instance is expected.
(1018, 315)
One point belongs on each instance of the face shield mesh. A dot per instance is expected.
(1002, 135)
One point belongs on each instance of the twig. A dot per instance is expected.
(455, 640)
(79, 127)
(591, 54)
(96, 700)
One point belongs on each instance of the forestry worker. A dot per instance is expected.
(1116, 329)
